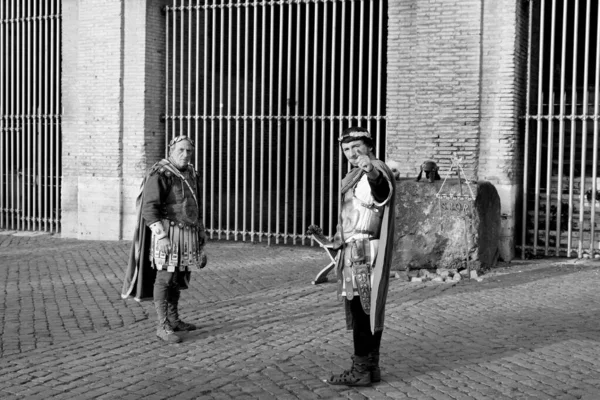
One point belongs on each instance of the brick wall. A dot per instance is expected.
(112, 102)
(453, 77)
(433, 82)
(456, 87)
(503, 87)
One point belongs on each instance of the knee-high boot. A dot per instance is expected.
(164, 330)
(173, 313)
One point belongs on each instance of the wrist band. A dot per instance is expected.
(158, 230)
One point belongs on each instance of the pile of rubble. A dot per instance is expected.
(441, 275)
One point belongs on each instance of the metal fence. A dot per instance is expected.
(561, 198)
(265, 88)
(30, 114)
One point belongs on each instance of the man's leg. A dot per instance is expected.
(173, 295)
(359, 373)
(374, 357)
(161, 288)
(366, 343)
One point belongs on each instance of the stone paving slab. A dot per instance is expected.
(530, 331)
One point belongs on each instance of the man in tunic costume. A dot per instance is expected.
(170, 238)
(364, 236)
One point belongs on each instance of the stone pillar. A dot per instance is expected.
(112, 101)
(502, 103)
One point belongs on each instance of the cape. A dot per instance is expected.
(138, 282)
(383, 261)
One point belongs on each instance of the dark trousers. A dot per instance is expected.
(365, 342)
(165, 285)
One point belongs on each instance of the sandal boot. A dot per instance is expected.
(358, 375)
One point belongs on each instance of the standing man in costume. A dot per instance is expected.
(364, 236)
(169, 241)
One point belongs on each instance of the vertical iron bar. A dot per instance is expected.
(379, 118)
(197, 120)
(189, 79)
(289, 111)
(271, 113)
(262, 119)
(53, 135)
(47, 138)
(331, 114)
(253, 124)
(2, 115)
(38, 124)
(595, 146)
(315, 91)
(27, 117)
(361, 14)
(280, 99)
(167, 115)
(173, 77)
(573, 127)
(538, 157)
(246, 122)
(341, 99)
(297, 114)
(306, 115)
(19, 123)
(550, 138)
(227, 121)
(212, 121)
(181, 71)
(370, 78)
(584, 117)
(238, 94)
(323, 122)
(205, 112)
(221, 51)
(58, 113)
(12, 128)
(314, 116)
(561, 129)
(350, 111)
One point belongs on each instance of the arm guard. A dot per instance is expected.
(158, 230)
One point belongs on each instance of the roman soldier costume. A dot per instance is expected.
(167, 207)
(364, 236)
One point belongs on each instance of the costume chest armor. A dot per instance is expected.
(360, 215)
(180, 205)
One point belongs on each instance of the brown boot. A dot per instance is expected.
(359, 374)
(164, 330)
(374, 366)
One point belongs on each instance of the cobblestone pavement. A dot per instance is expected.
(530, 331)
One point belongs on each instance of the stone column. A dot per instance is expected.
(112, 79)
(502, 103)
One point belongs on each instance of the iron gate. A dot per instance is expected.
(30, 115)
(265, 89)
(561, 197)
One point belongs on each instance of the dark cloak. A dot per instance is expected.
(139, 275)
